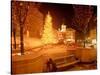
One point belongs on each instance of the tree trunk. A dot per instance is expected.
(21, 39)
(84, 42)
(14, 33)
(21, 31)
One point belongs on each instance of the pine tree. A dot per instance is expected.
(48, 34)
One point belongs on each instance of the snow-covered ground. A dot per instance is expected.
(36, 46)
(28, 42)
(32, 42)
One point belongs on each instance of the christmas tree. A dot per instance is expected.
(48, 36)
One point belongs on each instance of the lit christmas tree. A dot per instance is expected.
(48, 35)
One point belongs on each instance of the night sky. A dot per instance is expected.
(65, 14)
(61, 13)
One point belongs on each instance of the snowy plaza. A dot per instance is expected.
(51, 37)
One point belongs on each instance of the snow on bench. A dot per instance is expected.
(57, 64)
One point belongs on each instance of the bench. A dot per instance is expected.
(61, 63)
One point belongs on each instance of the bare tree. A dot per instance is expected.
(83, 14)
(21, 9)
(14, 22)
